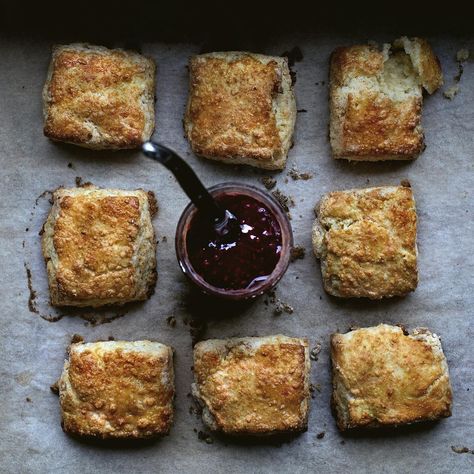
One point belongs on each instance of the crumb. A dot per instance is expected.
(268, 182)
(301, 111)
(78, 181)
(70, 165)
(462, 55)
(281, 307)
(32, 297)
(28, 399)
(297, 252)
(164, 239)
(205, 437)
(315, 351)
(285, 201)
(296, 175)
(321, 435)
(171, 320)
(451, 92)
(405, 183)
(461, 449)
(76, 338)
(55, 388)
(111, 338)
(195, 410)
(27, 229)
(343, 442)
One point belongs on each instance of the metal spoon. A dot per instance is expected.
(224, 222)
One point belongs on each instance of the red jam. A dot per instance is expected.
(245, 259)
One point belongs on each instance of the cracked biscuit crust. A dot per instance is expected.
(241, 108)
(366, 241)
(383, 376)
(376, 99)
(253, 385)
(99, 246)
(99, 98)
(117, 389)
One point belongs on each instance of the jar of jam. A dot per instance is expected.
(246, 262)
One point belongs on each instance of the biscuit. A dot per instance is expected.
(383, 376)
(241, 108)
(99, 98)
(366, 241)
(376, 99)
(117, 389)
(253, 385)
(99, 246)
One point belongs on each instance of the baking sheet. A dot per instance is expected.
(33, 348)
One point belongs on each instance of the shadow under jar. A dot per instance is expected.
(246, 264)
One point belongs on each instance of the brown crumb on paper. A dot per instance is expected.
(32, 297)
(268, 181)
(315, 351)
(171, 321)
(321, 435)
(298, 175)
(451, 92)
(461, 57)
(281, 307)
(55, 388)
(285, 201)
(76, 338)
(202, 436)
(461, 450)
(297, 253)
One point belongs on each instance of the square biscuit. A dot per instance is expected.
(376, 99)
(241, 108)
(99, 98)
(366, 241)
(99, 246)
(383, 376)
(253, 385)
(117, 389)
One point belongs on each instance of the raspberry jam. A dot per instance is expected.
(247, 256)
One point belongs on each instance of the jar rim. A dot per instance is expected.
(241, 293)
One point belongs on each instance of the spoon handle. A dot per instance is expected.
(186, 177)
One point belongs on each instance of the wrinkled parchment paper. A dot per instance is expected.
(33, 348)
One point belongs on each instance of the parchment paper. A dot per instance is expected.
(33, 349)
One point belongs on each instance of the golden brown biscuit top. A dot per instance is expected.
(355, 61)
(378, 101)
(376, 125)
(87, 88)
(254, 391)
(94, 239)
(369, 241)
(390, 377)
(117, 392)
(231, 107)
